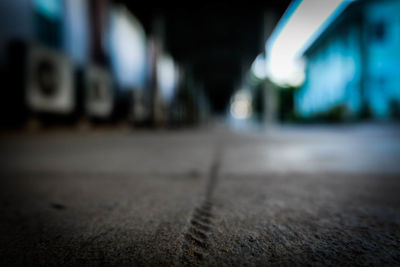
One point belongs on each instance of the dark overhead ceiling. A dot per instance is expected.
(216, 40)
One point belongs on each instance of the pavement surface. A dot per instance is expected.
(317, 195)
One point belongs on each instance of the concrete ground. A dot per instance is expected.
(317, 195)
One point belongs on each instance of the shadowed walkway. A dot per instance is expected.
(287, 196)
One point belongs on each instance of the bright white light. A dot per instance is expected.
(166, 76)
(241, 106)
(303, 20)
(259, 67)
(128, 49)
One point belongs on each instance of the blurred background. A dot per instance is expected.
(75, 62)
(201, 133)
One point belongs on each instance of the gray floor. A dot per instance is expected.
(319, 195)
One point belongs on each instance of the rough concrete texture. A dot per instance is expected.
(285, 196)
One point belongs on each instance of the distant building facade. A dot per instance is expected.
(354, 63)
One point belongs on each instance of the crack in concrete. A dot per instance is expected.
(195, 242)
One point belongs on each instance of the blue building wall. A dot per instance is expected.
(18, 20)
(332, 75)
(355, 62)
(382, 39)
